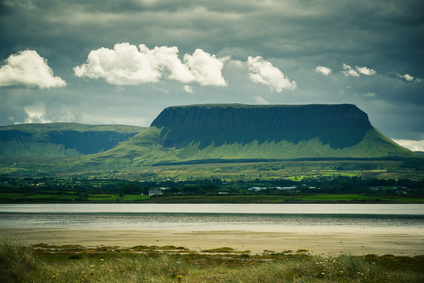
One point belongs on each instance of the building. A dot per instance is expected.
(155, 192)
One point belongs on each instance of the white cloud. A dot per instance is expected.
(409, 78)
(411, 144)
(260, 100)
(188, 88)
(261, 71)
(370, 94)
(323, 70)
(27, 68)
(36, 113)
(126, 64)
(206, 68)
(365, 71)
(349, 72)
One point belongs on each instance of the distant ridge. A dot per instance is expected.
(61, 139)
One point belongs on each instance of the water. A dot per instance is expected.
(367, 209)
(371, 218)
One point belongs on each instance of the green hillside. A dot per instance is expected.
(146, 149)
(199, 134)
(61, 139)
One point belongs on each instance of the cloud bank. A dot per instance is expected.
(126, 64)
(27, 68)
(36, 113)
(411, 144)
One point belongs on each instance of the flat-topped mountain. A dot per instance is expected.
(339, 126)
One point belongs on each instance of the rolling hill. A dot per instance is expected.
(61, 139)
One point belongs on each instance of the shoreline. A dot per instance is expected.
(255, 242)
(176, 201)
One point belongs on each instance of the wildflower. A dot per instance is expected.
(180, 277)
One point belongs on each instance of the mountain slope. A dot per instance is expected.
(206, 133)
(61, 139)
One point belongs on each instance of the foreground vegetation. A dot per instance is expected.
(43, 263)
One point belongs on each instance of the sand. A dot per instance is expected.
(327, 244)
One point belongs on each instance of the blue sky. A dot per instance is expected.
(122, 62)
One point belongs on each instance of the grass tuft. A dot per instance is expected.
(25, 264)
(17, 263)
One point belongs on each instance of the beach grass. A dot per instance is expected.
(74, 263)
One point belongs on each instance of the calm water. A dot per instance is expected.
(195, 217)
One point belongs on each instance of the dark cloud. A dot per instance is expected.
(296, 37)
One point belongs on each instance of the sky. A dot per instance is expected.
(124, 61)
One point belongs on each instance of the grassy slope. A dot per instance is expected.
(145, 149)
(374, 145)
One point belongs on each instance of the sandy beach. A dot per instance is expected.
(354, 243)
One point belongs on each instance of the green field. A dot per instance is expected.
(111, 198)
(135, 197)
(102, 197)
(11, 196)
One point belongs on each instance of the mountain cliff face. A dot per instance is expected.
(338, 126)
